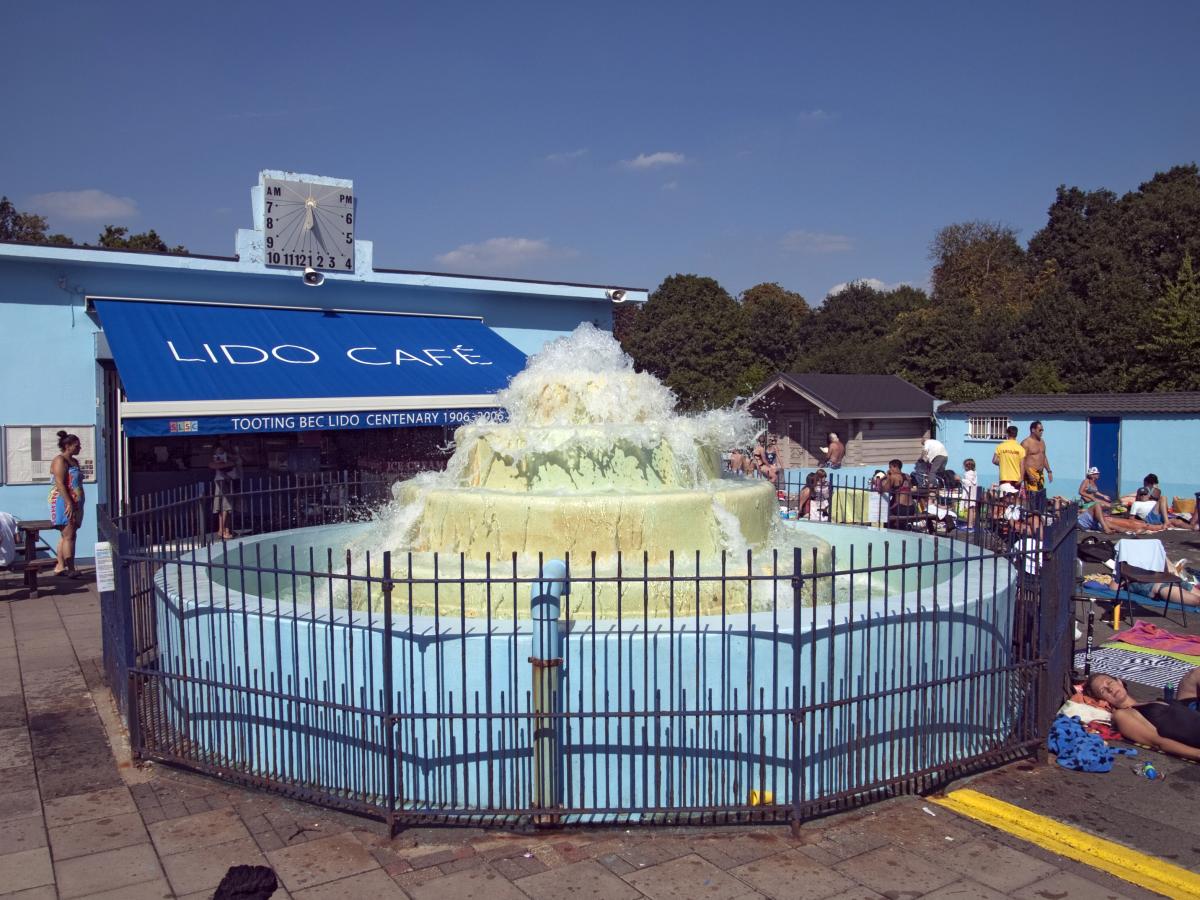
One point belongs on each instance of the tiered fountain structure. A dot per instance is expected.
(592, 458)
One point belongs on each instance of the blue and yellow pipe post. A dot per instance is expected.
(545, 604)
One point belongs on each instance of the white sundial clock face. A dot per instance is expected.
(308, 225)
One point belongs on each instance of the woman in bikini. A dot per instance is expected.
(1172, 726)
(66, 502)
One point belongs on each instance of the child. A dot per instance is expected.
(969, 490)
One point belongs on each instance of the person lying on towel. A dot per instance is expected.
(1168, 591)
(1171, 726)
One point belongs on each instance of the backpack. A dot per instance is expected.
(1095, 550)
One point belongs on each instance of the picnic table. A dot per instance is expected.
(32, 530)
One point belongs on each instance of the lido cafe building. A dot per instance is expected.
(296, 353)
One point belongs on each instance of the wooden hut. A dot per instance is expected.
(878, 417)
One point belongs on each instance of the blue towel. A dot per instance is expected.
(1078, 749)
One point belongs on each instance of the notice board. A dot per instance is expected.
(29, 450)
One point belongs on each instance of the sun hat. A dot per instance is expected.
(1093, 471)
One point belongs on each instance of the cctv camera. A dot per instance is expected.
(616, 295)
(312, 277)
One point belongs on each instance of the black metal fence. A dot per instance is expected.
(424, 687)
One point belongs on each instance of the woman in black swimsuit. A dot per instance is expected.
(1170, 726)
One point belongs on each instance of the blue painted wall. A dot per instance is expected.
(1164, 445)
(1066, 448)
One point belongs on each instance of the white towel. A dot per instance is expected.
(8, 539)
(1145, 554)
(1142, 508)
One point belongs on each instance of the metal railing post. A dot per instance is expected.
(124, 603)
(797, 760)
(201, 524)
(389, 693)
(545, 604)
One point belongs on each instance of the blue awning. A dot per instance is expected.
(184, 362)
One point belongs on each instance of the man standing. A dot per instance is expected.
(1037, 467)
(934, 452)
(1010, 457)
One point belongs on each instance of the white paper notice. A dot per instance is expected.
(104, 567)
(29, 450)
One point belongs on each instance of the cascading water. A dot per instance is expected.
(592, 459)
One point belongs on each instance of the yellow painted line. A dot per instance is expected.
(1127, 864)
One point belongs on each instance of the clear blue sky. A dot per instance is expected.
(808, 144)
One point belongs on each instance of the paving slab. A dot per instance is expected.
(26, 869)
(18, 778)
(687, 878)
(966, 890)
(12, 711)
(200, 830)
(108, 833)
(27, 833)
(108, 871)
(1065, 886)
(890, 869)
(475, 884)
(88, 807)
(15, 749)
(17, 804)
(157, 889)
(792, 874)
(586, 880)
(994, 865)
(203, 868)
(45, 892)
(376, 885)
(320, 861)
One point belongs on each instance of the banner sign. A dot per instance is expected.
(313, 421)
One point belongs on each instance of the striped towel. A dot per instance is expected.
(1142, 668)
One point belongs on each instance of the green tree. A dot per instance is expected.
(118, 237)
(849, 332)
(27, 227)
(1115, 256)
(692, 334)
(981, 262)
(776, 321)
(1170, 356)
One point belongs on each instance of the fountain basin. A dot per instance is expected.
(670, 712)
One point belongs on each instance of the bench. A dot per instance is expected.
(31, 570)
(31, 565)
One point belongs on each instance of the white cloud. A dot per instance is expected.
(812, 116)
(874, 283)
(88, 204)
(671, 186)
(654, 160)
(816, 242)
(567, 157)
(501, 254)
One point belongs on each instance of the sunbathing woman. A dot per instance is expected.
(1170, 726)
(1094, 518)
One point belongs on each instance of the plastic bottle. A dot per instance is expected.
(1147, 770)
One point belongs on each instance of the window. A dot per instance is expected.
(987, 428)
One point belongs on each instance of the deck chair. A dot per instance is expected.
(1127, 574)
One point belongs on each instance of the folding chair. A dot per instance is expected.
(1127, 574)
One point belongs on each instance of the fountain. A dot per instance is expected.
(590, 529)
(590, 458)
